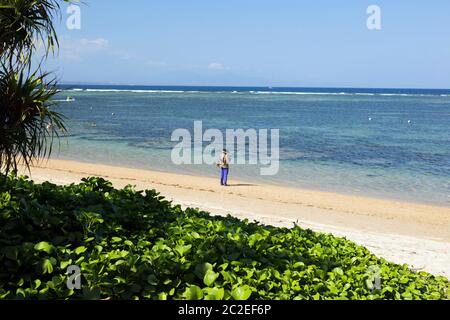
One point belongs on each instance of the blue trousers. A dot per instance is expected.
(223, 176)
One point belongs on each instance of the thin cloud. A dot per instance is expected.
(98, 43)
(74, 49)
(216, 66)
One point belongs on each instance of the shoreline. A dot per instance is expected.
(272, 183)
(401, 232)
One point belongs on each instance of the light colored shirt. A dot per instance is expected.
(224, 161)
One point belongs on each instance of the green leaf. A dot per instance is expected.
(214, 293)
(152, 279)
(65, 264)
(182, 250)
(21, 292)
(162, 296)
(228, 276)
(47, 266)
(44, 246)
(37, 283)
(80, 250)
(193, 293)
(210, 277)
(338, 271)
(201, 269)
(241, 293)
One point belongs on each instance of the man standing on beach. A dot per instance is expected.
(224, 165)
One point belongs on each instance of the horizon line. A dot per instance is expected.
(247, 86)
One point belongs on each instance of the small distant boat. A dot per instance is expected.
(70, 99)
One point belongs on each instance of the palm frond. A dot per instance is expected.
(28, 123)
(26, 25)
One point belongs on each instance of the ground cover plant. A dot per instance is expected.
(137, 245)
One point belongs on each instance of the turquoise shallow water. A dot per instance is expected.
(327, 140)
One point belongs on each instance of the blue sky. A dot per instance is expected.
(257, 42)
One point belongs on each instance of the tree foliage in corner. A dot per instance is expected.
(28, 124)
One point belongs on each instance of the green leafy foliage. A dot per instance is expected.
(136, 245)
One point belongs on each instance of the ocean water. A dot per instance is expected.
(376, 142)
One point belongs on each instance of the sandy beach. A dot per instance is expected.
(401, 232)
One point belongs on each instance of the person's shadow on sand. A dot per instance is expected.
(241, 185)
